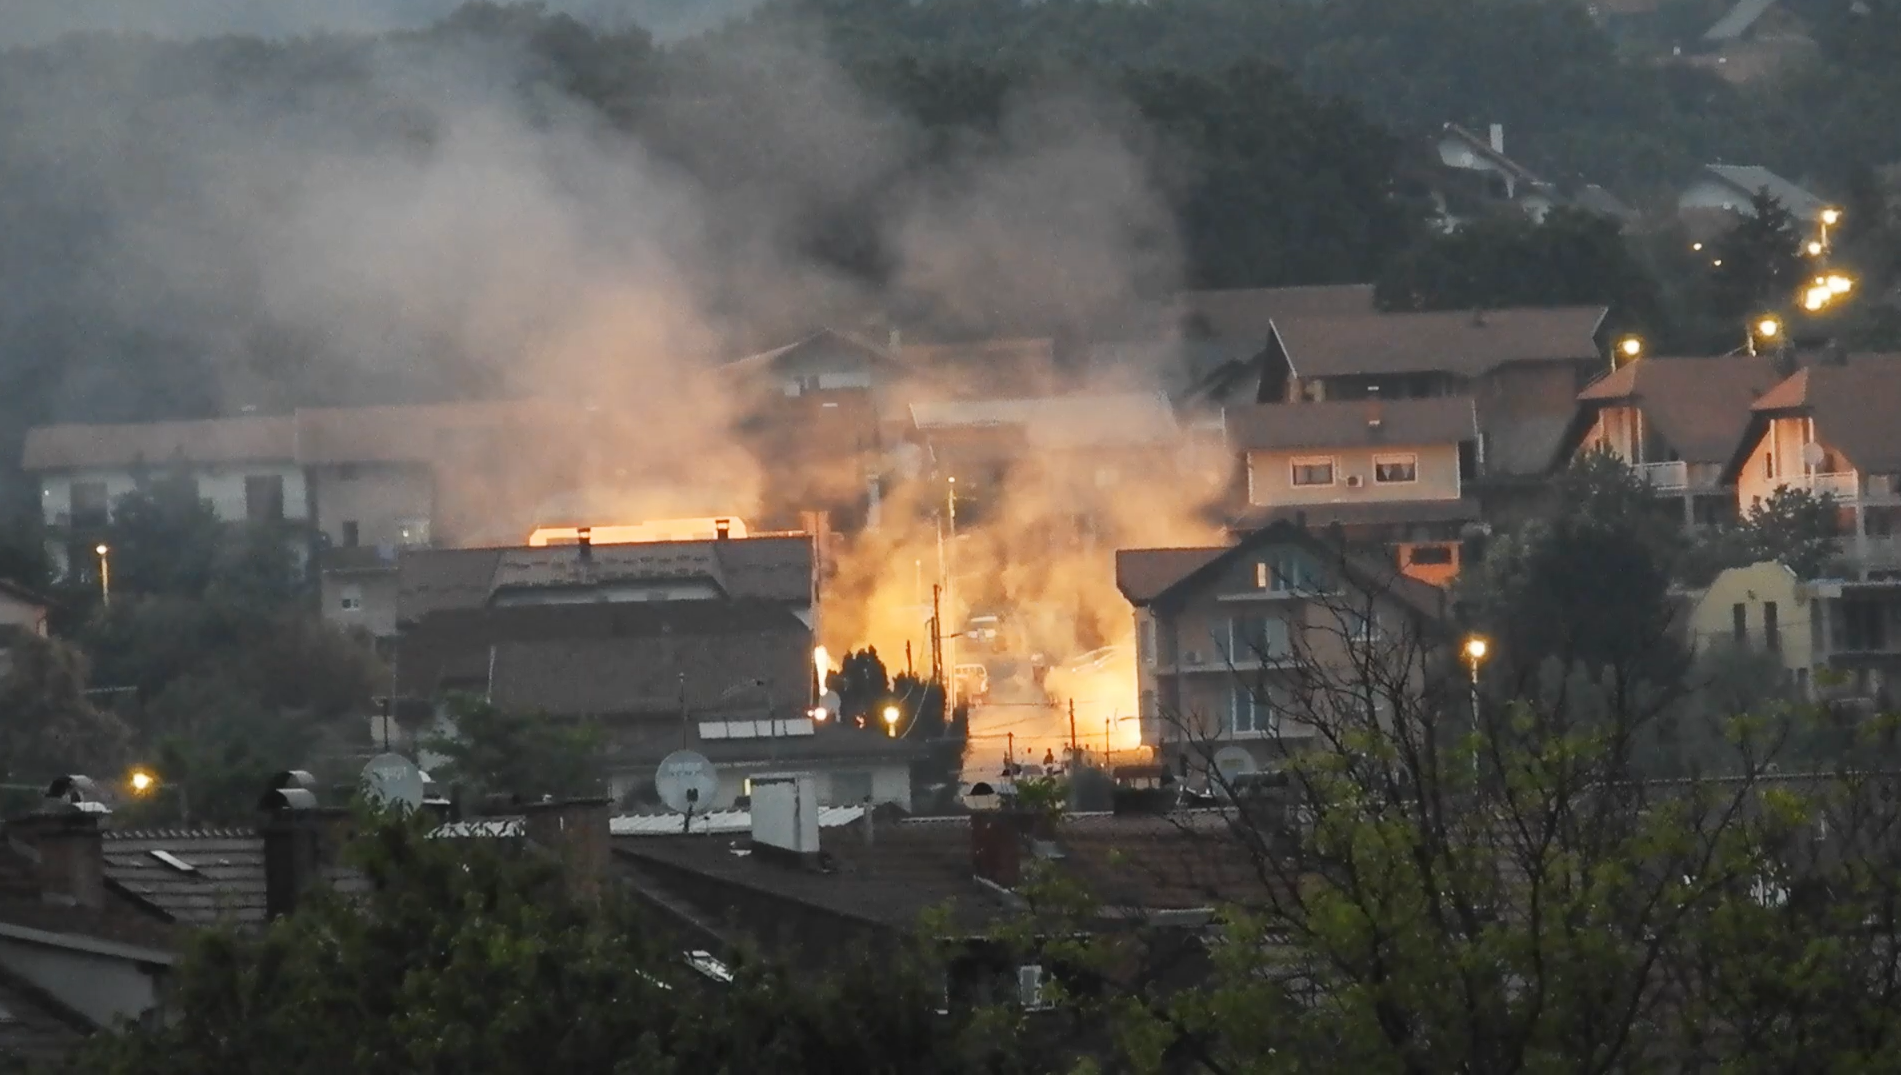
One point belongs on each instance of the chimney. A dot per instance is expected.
(1498, 138)
(298, 839)
(722, 529)
(996, 847)
(577, 830)
(584, 540)
(63, 841)
(785, 816)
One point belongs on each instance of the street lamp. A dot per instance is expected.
(144, 784)
(891, 715)
(1766, 329)
(1814, 248)
(1630, 347)
(105, 574)
(1839, 284)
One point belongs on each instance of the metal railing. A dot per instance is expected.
(1842, 485)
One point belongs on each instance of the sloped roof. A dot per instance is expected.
(1483, 147)
(1374, 577)
(37, 1027)
(716, 821)
(1856, 407)
(1060, 421)
(213, 440)
(1143, 574)
(765, 360)
(224, 885)
(1249, 313)
(1398, 422)
(1749, 179)
(1700, 406)
(766, 568)
(1452, 341)
(1364, 513)
(409, 433)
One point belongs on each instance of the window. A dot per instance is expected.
(1360, 626)
(1291, 572)
(350, 534)
(1253, 638)
(351, 599)
(1769, 465)
(1771, 630)
(89, 506)
(1248, 713)
(1260, 575)
(1145, 640)
(1030, 991)
(413, 531)
(1395, 469)
(1739, 623)
(1429, 555)
(1313, 470)
(264, 498)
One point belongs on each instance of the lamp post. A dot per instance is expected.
(105, 574)
(1474, 651)
(950, 600)
(1830, 217)
(891, 715)
(1768, 329)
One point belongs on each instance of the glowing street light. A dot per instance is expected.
(1815, 298)
(142, 781)
(1839, 284)
(105, 574)
(1814, 248)
(1474, 650)
(891, 715)
(1768, 328)
(1630, 347)
(1831, 217)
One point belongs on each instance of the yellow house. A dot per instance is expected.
(1761, 607)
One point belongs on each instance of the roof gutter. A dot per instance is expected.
(90, 945)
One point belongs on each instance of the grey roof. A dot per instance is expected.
(1401, 423)
(1752, 178)
(224, 882)
(1737, 20)
(34, 1026)
(1060, 421)
(717, 821)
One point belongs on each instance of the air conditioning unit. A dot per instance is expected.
(1354, 481)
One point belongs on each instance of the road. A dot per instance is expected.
(1017, 716)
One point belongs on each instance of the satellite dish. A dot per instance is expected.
(391, 779)
(1813, 454)
(1231, 762)
(687, 782)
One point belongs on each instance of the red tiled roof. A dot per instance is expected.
(1402, 423)
(1451, 341)
(1855, 406)
(1699, 405)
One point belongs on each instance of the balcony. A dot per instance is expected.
(1671, 477)
(1842, 486)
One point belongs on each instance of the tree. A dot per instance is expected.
(164, 539)
(1423, 891)
(472, 956)
(494, 751)
(862, 685)
(1572, 257)
(1761, 264)
(48, 728)
(1588, 584)
(1796, 528)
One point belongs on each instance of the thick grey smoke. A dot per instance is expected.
(348, 235)
(36, 22)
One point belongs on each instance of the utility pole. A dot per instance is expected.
(950, 586)
(1072, 731)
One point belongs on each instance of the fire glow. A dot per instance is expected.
(707, 528)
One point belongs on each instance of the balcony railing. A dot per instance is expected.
(1843, 485)
(1665, 477)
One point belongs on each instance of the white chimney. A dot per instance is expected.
(785, 812)
(1498, 138)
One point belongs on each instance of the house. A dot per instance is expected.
(668, 645)
(1389, 472)
(818, 895)
(1762, 608)
(1524, 367)
(1830, 429)
(815, 412)
(1677, 422)
(1475, 175)
(1737, 21)
(1729, 188)
(245, 468)
(1226, 637)
(1838, 640)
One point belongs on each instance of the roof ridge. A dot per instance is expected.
(204, 832)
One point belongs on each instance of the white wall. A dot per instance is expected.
(223, 486)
